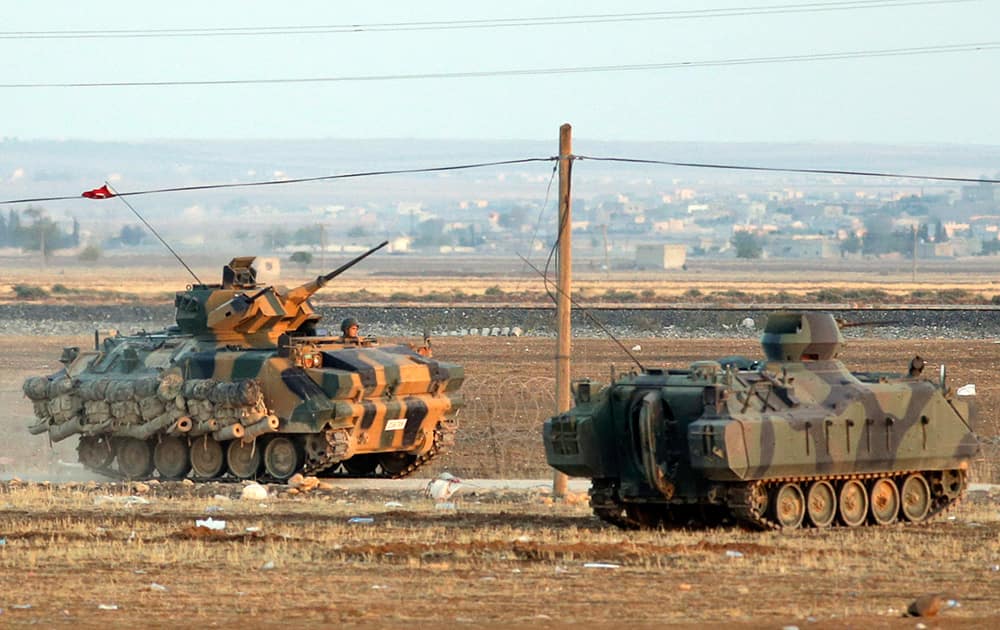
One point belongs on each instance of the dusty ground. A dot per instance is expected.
(511, 558)
(88, 556)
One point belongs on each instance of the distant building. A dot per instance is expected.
(981, 193)
(660, 256)
(400, 244)
(268, 269)
(802, 247)
(953, 248)
(473, 203)
(670, 225)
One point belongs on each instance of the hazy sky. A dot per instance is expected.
(936, 98)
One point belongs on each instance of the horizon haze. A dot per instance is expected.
(922, 71)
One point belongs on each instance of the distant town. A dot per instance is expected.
(641, 218)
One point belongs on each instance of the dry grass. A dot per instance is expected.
(500, 280)
(496, 559)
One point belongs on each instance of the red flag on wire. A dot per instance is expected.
(98, 193)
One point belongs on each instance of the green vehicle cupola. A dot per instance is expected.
(801, 337)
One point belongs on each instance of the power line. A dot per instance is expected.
(438, 169)
(487, 23)
(769, 169)
(299, 180)
(743, 61)
(153, 230)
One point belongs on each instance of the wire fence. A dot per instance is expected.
(500, 432)
(985, 467)
(499, 436)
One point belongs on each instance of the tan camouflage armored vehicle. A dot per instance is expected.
(243, 387)
(794, 440)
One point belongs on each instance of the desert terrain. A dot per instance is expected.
(79, 551)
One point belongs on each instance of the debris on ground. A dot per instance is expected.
(254, 492)
(302, 483)
(442, 487)
(210, 523)
(930, 605)
(124, 500)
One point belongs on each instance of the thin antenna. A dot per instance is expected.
(589, 315)
(153, 230)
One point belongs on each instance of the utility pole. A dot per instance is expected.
(322, 246)
(607, 265)
(914, 253)
(563, 306)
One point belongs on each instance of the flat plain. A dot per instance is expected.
(513, 558)
(77, 551)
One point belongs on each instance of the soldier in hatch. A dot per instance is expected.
(349, 330)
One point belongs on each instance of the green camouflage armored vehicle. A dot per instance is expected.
(243, 387)
(793, 440)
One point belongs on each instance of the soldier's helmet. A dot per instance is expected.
(347, 323)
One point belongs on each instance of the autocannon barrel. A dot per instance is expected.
(302, 293)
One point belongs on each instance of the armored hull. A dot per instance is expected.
(793, 440)
(243, 387)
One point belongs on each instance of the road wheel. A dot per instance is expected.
(821, 504)
(788, 505)
(171, 457)
(951, 484)
(282, 457)
(207, 458)
(884, 498)
(95, 452)
(915, 498)
(645, 515)
(135, 458)
(361, 465)
(243, 458)
(853, 503)
(395, 464)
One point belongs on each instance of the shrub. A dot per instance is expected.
(90, 253)
(302, 258)
(29, 292)
(955, 296)
(826, 296)
(613, 295)
(733, 294)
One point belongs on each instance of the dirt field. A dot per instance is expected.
(89, 555)
(92, 557)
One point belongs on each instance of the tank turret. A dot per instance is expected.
(241, 310)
